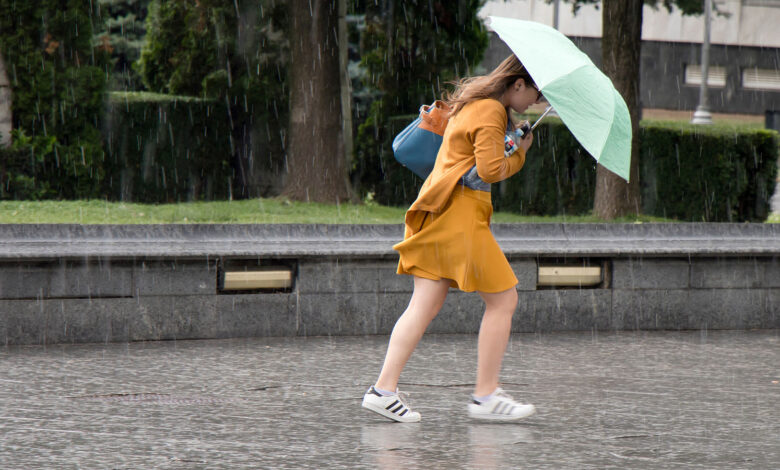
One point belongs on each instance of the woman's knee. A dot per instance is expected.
(505, 301)
(428, 295)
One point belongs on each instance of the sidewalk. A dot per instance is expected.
(624, 400)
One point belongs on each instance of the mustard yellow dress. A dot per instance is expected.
(447, 233)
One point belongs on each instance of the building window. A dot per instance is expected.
(761, 79)
(716, 76)
(761, 3)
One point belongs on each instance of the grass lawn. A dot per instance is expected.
(254, 211)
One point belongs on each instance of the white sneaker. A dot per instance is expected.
(392, 406)
(500, 407)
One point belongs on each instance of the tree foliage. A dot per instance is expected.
(232, 51)
(122, 35)
(58, 81)
(215, 47)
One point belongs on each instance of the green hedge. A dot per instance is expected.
(689, 173)
(156, 148)
(718, 173)
(558, 177)
(162, 148)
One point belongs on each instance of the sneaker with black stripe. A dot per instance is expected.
(500, 407)
(391, 406)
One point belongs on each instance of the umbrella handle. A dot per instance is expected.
(524, 129)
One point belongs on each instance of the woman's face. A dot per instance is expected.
(520, 95)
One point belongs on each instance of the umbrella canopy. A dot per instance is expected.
(584, 98)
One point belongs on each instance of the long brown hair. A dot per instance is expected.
(492, 85)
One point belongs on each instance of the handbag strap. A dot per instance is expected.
(434, 117)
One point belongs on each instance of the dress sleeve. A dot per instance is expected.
(488, 138)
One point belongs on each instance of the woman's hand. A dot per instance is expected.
(528, 137)
(526, 141)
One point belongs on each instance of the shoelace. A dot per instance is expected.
(503, 394)
(403, 398)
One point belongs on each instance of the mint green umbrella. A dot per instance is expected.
(580, 93)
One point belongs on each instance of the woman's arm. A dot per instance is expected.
(492, 166)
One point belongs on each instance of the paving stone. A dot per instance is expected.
(174, 317)
(248, 315)
(65, 320)
(352, 276)
(172, 277)
(563, 310)
(345, 314)
(691, 309)
(640, 273)
(737, 273)
(526, 272)
(64, 279)
(461, 313)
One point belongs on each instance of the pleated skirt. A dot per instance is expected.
(457, 244)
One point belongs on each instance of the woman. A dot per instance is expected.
(448, 241)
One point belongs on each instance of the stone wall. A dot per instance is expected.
(117, 300)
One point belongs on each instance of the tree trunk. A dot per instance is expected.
(620, 51)
(6, 116)
(346, 87)
(316, 167)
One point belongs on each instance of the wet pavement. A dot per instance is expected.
(703, 399)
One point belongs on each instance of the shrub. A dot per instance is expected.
(718, 173)
(689, 173)
(58, 81)
(164, 148)
(27, 167)
(558, 177)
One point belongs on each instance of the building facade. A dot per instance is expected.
(744, 65)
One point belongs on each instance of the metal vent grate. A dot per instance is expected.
(569, 276)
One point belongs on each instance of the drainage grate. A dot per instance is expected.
(155, 398)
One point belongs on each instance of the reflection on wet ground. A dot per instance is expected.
(619, 400)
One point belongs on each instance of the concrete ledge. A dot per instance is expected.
(71, 283)
(31, 241)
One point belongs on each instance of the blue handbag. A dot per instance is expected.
(417, 145)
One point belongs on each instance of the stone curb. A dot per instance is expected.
(64, 241)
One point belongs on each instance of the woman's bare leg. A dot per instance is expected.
(493, 338)
(427, 299)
